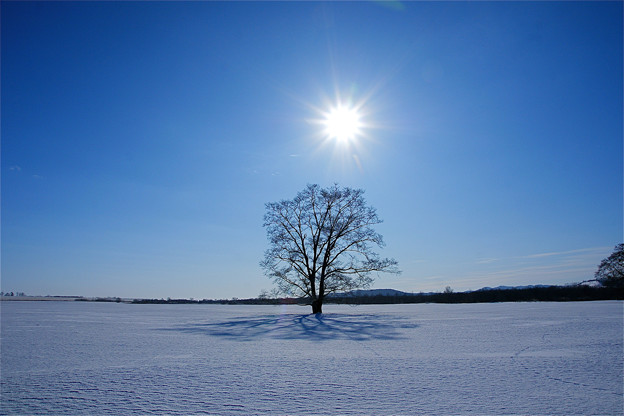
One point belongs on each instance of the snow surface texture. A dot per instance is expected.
(507, 358)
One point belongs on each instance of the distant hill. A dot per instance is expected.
(512, 287)
(394, 292)
(371, 292)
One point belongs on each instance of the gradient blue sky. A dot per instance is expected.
(140, 141)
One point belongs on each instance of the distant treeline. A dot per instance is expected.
(234, 301)
(530, 294)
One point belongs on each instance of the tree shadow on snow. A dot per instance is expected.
(312, 327)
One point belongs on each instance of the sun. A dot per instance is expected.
(342, 123)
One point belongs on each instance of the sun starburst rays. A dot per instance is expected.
(342, 123)
(342, 132)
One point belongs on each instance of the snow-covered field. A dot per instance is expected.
(509, 358)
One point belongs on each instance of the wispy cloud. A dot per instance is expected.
(15, 168)
(486, 261)
(553, 267)
(546, 274)
(565, 253)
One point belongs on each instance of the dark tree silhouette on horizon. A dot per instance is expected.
(321, 242)
(611, 269)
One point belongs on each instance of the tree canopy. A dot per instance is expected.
(611, 269)
(322, 242)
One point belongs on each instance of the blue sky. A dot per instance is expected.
(140, 141)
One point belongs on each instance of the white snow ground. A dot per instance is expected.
(486, 359)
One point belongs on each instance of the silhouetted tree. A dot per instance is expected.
(611, 270)
(322, 242)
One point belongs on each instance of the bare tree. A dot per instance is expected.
(611, 270)
(322, 242)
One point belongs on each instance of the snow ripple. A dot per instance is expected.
(529, 358)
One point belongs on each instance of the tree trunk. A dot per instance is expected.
(317, 306)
